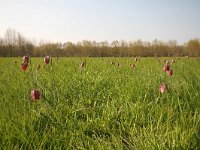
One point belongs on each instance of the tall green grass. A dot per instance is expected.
(102, 106)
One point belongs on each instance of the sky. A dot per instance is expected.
(100, 20)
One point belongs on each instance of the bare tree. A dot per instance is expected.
(15, 44)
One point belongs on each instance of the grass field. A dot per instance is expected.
(102, 106)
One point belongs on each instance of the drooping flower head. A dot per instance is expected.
(166, 67)
(24, 66)
(170, 72)
(35, 94)
(163, 88)
(25, 59)
(46, 59)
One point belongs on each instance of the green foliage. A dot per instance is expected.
(193, 47)
(101, 106)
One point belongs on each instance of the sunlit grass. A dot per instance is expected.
(101, 106)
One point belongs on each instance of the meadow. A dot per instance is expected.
(101, 106)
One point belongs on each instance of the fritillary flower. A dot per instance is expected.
(24, 66)
(163, 88)
(35, 94)
(46, 60)
(170, 72)
(166, 67)
(26, 59)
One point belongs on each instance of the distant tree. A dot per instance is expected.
(138, 47)
(29, 47)
(160, 48)
(104, 49)
(2, 49)
(1, 41)
(115, 48)
(69, 48)
(172, 44)
(15, 44)
(193, 47)
(10, 37)
(123, 48)
(10, 41)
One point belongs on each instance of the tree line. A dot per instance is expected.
(14, 44)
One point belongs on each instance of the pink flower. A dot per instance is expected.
(170, 72)
(46, 60)
(35, 94)
(163, 88)
(26, 59)
(166, 67)
(24, 66)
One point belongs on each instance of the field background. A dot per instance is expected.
(102, 106)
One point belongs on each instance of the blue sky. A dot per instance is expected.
(76, 20)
